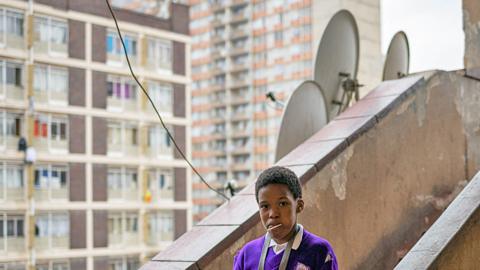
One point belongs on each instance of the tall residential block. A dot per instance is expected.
(242, 49)
(106, 190)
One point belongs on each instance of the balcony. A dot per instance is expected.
(160, 152)
(238, 2)
(216, 22)
(238, 17)
(218, 5)
(240, 99)
(9, 143)
(116, 104)
(51, 48)
(51, 97)
(217, 87)
(239, 66)
(130, 194)
(14, 245)
(51, 194)
(125, 239)
(14, 92)
(12, 194)
(115, 149)
(118, 60)
(241, 148)
(240, 49)
(238, 33)
(43, 144)
(47, 243)
(157, 237)
(162, 195)
(238, 83)
(14, 41)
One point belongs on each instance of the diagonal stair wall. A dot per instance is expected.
(374, 179)
(453, 241)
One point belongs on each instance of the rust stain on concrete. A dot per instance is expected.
(441, 201)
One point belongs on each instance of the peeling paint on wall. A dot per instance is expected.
(404, 106)
(339, 175)
(421, 102)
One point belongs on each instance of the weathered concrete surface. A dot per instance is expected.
(471, 27)
(453, 242)
(374, 179)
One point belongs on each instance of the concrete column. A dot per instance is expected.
(471, 27)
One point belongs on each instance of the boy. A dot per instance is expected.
(287, 245)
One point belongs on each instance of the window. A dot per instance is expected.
(56, 126)
(122, 138)
(10, 124)
(121, 93)
(162, 96)
(10, 130)
(159, 54)
(51, 35)
(53, 265)
(58, 129)
(161, 226)
(11, 80)
(122, 183)
(52, 230)
(51, 84)
(11, 182)
(158, 141)
(11, 28)
(115, 49)
(122, 228)
(12, 232)
(160, 184)
(115, 133)
(123, 264)
(12, 266)
(51, 133)
(51, 182)
(11, 226)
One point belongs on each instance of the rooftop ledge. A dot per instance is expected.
(374, 179)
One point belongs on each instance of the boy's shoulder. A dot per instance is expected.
(254, 244)
(311, 241)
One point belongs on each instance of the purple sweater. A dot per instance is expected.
(314, 253)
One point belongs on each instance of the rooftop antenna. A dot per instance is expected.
(336, 62)
(398, 58)
(304, 114)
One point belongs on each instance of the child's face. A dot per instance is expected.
(277, 206)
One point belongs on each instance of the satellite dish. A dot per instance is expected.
(398, 58)
(305, 113)
(336, 62)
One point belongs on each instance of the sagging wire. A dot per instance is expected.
(155, 108)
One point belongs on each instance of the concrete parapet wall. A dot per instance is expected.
(374, 179)
(453, 242)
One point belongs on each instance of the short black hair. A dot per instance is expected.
(279, 175)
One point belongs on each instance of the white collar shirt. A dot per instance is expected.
(277, 248)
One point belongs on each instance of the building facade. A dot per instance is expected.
(106, 189)
(242, 49)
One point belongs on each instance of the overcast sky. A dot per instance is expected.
(434, 29)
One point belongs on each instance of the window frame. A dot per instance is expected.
(48, 22)
(49, 187)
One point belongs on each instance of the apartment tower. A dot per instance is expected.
(106, 189)
(242, 49)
